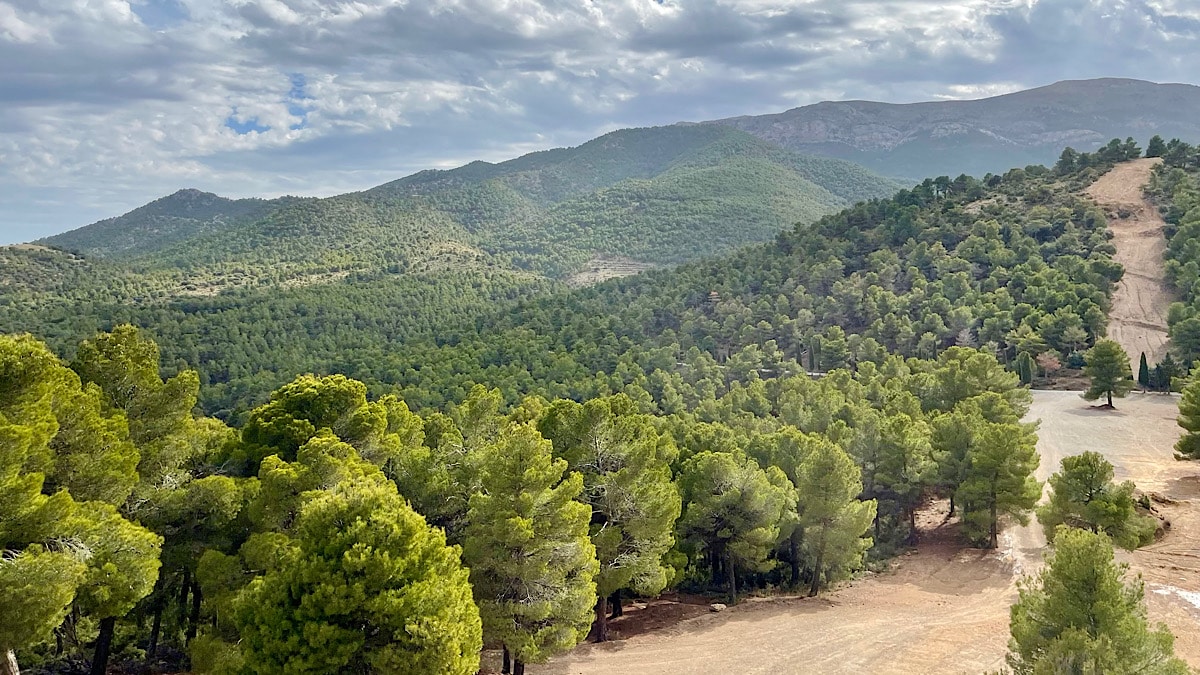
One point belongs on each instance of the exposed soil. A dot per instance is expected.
(1138, 320)
(944, 608)
(603, 268)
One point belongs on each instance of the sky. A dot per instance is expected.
(108, 104)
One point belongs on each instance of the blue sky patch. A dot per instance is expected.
(297, 100)
(243, 128)
(160, 14)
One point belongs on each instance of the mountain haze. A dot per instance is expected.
(989, 135)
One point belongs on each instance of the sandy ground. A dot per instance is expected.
(1138, 319)
(942, 609)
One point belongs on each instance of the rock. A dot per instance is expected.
(716, 607)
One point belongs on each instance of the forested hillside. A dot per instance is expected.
(162, 222)
(1019, 262)
(291, 282)
(518, 459)
(1176, 188)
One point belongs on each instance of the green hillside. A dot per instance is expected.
(163, 222)
(435, 246)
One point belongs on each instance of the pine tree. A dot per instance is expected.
(367, 586)
(1083, 495)
(627, 484)
(1156, 147)
(834, 521)
(532, 563)
(998, 479)
(1079, 616)
(1108, 368)
(732, 512)
(1165, 373)
(56, 438)
(1188, 446)
(1143, 377)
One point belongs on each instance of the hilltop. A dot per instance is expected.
(986, 135)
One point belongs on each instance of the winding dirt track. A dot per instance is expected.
(1138, 320)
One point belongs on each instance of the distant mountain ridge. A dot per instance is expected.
(652, 196)
(975, 137)
(165, 221)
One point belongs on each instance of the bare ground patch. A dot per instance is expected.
(603, 267)
(1138, 319)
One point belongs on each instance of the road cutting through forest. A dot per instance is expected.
(1138, 318)
(944, 608)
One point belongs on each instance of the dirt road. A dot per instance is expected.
(1138, 319)
(943, 609)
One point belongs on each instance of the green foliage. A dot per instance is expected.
(733, 510)
(997, 469)
(532, 562)
(1025, 368)
(1108, 368)
(1188, 445)
(369, 588)
(835, 523)
(1079, 616)
(1083, 495)
(36, 588)
(627, 482)
(55, 439)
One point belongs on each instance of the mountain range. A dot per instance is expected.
(257, 290)
(920, 140)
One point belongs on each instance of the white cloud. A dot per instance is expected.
(106, 104)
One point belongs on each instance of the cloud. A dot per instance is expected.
(106, 104)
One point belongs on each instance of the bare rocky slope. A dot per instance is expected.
(986, 135)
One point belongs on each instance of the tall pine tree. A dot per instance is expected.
(836, 524)
(627, 484)
(532, 562)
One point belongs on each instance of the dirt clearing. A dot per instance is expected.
(944, 608)
(1138, 320)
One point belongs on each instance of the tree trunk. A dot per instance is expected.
(1110, 399)
(951, 514)
(995, 541)
(194, 618)
(818, 562)
(506, 666)
(715, 560)
(8, 664)
(731, 575)
(912, 525)
(184, 586)
(794, 555)
(615, 606)
(155, 631)
(600, 625)
(103, 645)
(518, 667)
